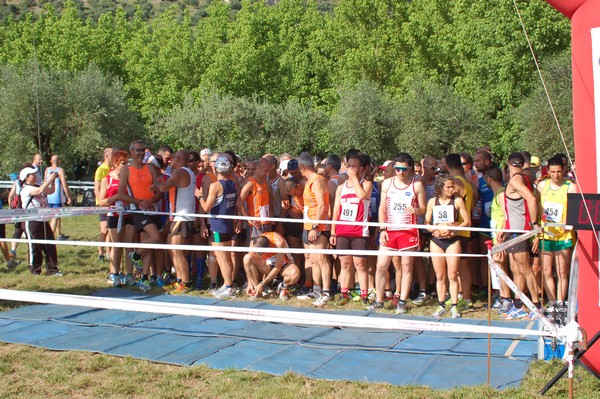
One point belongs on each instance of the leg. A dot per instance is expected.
(381, 273)
(549, 283)
(563, 269)
(407, 277)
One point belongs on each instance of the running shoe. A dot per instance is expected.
(12, 263)
(395, 300)
(62, 237)
(225, 292)
(505, 306)
(455, 313)
(364, 299)
(160, 282)
(137, 260)
(55, 274)
(114, 280)
(13, 253)
(144, 285)
(420, 299)
(307, 294)
(101, 258)
(401, 307)
(375, 306)
(440, 312)
(341, 300)
(284, 294)
(515, 313)
(372, 294)
(354, 295)
(128, 281)
(180, 290)
(532, 316)
(321, 301)
(464, 304)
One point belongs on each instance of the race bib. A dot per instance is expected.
(306, 213)
(263, 212)
(487, 208)
(399, 207)
(348, 212)
(443, 214)
(553, 211)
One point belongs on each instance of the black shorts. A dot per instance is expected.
(141, 220)
(523, 246)
(444, 243)
(102, 217)
(112, 222)
(181, 228)
(293, 229)
(326, 234)
(217, 237)
(353, 243)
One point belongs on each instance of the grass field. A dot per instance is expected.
(35, 373)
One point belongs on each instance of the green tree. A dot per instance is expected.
(365, 118)
(540, 135)
(436, 121)
(79, 114)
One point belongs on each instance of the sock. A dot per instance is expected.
(364, 293)
(518, 303)
(345, 292)
(317, 289)
(326, 292)
(538, 305)
(442, 304)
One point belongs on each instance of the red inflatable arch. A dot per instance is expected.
(585, 16)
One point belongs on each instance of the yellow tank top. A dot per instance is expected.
(468, 198)
(554, 206)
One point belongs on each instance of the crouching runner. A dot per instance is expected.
(263, 267)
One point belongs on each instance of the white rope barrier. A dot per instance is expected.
(237, 249)
(17, 215)
(266, 315)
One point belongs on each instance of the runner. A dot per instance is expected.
(558, 242)
(351, 204)
(60, 196)
(316, 236)
(134, 188)
(263, 268)
(100, 174)
(464, 190)
(181, 186)
(444, 210)
(520, 212)
(402, 200)
(118, 231)
(221, 199)
(258, 198)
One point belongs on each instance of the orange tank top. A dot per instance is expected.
(258, 200)
(271, 237)
(140, 181)
(311, 205)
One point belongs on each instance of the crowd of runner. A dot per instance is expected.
(152, 199)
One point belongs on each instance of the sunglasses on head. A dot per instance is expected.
(401, 168)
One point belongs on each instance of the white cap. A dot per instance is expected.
(205, 151)
(222, 164)
(152, 159)
(26, 172)
(284, 164)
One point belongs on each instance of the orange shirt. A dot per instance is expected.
(258, 199)
(140, 181)
(271, 237)
(310, 203)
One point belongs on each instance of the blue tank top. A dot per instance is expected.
(57, 196)
(374, 205)
(224, 205)
(486, 196)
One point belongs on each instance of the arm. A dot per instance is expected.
(520, 187)
(45, 188)
(123, 180)
(214, 190)
(383, 235)
(244, 192)
(102, 200)
(421, 203)
(336, 214)
(12, 193)
(177, 179)
(64, 185)
(459, 204)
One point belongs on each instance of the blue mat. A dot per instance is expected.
(438, 360)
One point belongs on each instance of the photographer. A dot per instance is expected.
(34, 196)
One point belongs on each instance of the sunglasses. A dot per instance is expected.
(139, 149)
(401, 168)
(435, 168)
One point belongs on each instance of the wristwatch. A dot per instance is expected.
(315, 226)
